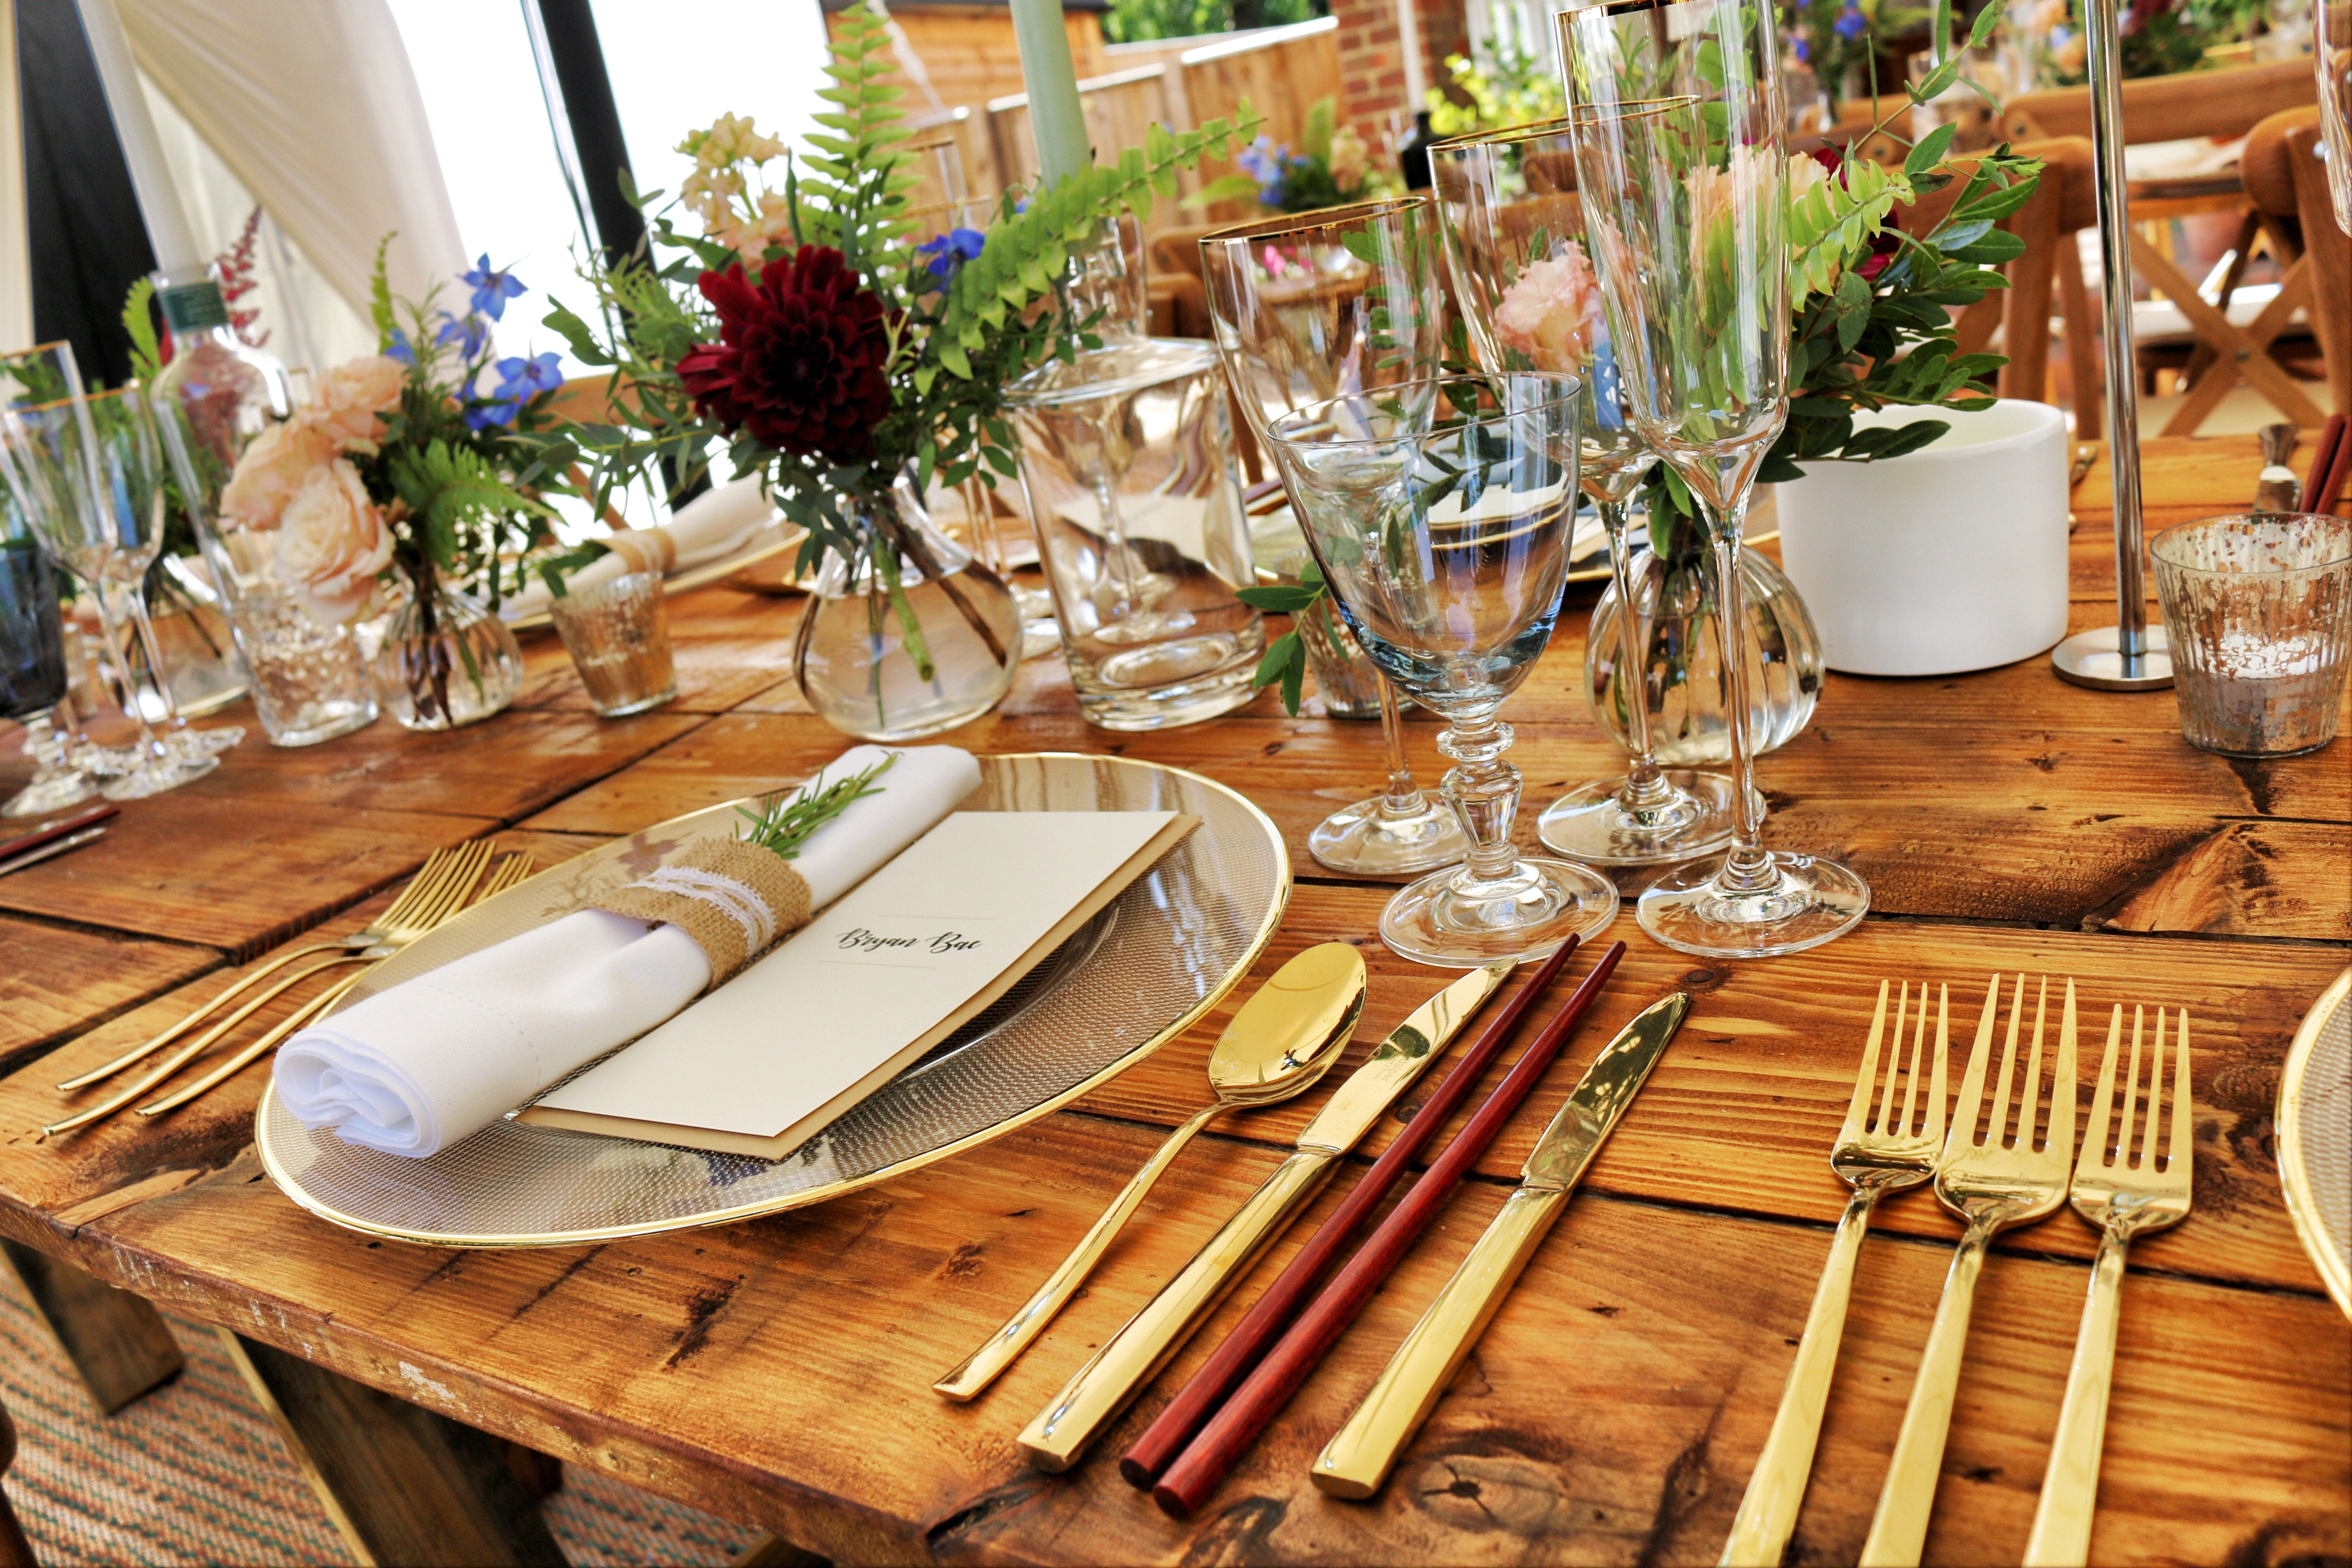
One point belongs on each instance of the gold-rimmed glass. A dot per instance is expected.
(1683, 162)
(1514, 234)
(2331, 22)
(1315, 306)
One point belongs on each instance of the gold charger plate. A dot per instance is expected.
(2315, 1128)
(768, 542)
(1134, 979)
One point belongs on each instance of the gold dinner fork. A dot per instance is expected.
(445, 872)
(449, 897)
(1875, 1153)
(1993, 1184)
(2121, 1198)
(514, 869)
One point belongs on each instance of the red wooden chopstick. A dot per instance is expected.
(1197, 1400)
(1210, 1455)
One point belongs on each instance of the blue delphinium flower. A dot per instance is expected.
(1805, 51)
(470, 332)
(1270, 166)
(492, 288)
(401, 349)
(519, 381)
(947, 254)
(1851, 22)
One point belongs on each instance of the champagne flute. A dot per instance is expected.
(68, 479)
(1441, 513)
(1683, 163)
(1306, 308)
(1508, 206)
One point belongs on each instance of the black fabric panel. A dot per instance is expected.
(88, 242)
(578, 56)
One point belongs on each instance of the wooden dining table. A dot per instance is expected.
(777, 1372)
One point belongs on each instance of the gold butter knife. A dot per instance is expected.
(1355, 1463)
(1115, 1374)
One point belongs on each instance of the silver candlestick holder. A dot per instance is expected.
(2131, 654)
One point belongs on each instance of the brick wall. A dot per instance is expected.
(1371, 64)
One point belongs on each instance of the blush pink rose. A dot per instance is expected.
(270, 469)
(331, 542)
(351, 399)
(1548, 315)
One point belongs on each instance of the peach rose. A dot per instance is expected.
(331, 542)
(271, 469)
(350, 398)
(1548, 313)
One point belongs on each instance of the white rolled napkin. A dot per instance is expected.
(418, 1067)
(705, 528)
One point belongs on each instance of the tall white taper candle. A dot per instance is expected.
(1052, 79)
(151, 177)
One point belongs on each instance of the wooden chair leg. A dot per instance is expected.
(15, 1550)
(401, 1484)
(116, 1340)
(2083, 365)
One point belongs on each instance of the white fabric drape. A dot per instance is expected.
(313, 106)
(15, 237)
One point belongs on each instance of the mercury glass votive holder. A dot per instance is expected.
(617, 633)
(2258, 613)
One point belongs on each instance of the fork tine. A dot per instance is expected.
(1894, 1060)
(2030, 1104)
(2175, 1163)
(1997, 1127)
(2094, 1131)
(1911, 1073)
(1857, 1113)
(1964, 1113)
(428, 877)
(2155, 1096)
(2131, 1086)
(1943, 1052)
(2064, 1091)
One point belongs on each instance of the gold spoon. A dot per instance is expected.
(1278, 1044)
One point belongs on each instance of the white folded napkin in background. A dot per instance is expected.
(708, 528)
(418, 1067)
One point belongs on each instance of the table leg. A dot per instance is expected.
(401, 1484)
(116, 1340)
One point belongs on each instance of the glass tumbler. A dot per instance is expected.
(2258, 612)
(617, 633)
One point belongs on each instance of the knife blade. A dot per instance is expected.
(1094, 1397)
(55, 846)
(1356, 1460)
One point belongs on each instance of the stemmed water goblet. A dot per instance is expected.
(88, 472)
(32, 672)
(1440, 512)
(1683, 166)
(1306, 308)
(1514, 234)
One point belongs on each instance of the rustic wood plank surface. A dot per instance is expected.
(777, 1372)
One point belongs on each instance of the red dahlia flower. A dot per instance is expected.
(801, 356)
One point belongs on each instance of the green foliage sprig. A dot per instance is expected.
(787, 822)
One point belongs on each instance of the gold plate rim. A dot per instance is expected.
(292, 1189)
(2295, 1179)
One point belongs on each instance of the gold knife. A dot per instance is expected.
(1355, 1463)
(1116, 1373)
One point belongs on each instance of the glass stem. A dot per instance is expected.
(110, 615)
(1403, 797)
(1644, 786)
(1484, 791)
(1748, 868)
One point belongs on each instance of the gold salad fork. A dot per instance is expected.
(1877, 1151)
(2122, 1196)
(514, 869)
(1992, 1183)
(448, 897)
(444, 874)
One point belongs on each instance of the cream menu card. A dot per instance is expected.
(762, 1064)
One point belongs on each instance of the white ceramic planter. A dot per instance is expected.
(1951, 558)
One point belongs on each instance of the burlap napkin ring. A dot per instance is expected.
(650, 550)
(732, 898)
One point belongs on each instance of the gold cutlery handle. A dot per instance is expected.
(1899, 1529)
(238, 1063)
(1768, 1513)
(2070, 1487)
(1116, 1373)
(141, 1052)
(1004, 1347)
(1356, 1461)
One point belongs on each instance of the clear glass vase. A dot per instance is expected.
(1684, 676)
(883, 669)
(446, 661)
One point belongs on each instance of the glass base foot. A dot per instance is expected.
(203, 745)
(1362, 842)
(156, 778)
(55, 793)
(1447, 919)
(1040, 633)
(1593, 825)
(1808, 902)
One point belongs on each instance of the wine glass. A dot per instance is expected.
(1441, 513)
(1308, 308)
(33, 675)
(1681, 156)
(1514, 231)
(87, 472)
(2331, 25)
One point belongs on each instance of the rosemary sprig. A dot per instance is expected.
(787, 823)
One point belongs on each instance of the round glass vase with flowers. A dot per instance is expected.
(853, 352)
(401, 486)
